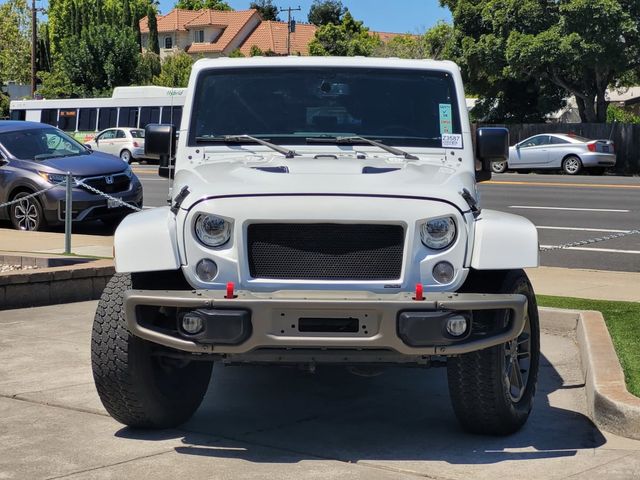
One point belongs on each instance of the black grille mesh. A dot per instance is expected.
(120, 184)
(325, 251)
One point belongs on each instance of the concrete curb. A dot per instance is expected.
(50, 286)
(609, 404)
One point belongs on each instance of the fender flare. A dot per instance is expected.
(147, 242)
(504, 241)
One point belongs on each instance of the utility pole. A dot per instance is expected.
(34, 40)
(291, 27)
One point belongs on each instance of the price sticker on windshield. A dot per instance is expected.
(451, 140)
(446, 120)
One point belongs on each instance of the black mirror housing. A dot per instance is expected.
(160, 141)
(492, 144)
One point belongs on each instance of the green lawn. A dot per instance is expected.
(623, 321)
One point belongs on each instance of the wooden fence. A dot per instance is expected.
(625, 136)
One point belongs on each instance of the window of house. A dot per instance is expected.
(198, 36)
(168, 42)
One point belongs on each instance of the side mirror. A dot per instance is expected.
(88, 147)
(492, 145)
(160, 143)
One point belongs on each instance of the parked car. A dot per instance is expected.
(126, 143)
(570, 153)
(35, 156)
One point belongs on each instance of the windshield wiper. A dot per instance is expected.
(358, 139)
(244, 138)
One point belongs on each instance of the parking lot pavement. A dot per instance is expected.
(258, 422)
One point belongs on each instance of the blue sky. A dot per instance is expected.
(406, 16)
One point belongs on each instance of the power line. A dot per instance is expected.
(291, 26)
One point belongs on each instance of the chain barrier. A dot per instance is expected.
(31, 195)
(120, 202)
(590, 241)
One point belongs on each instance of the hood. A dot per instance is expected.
(93, 164)
(429, 177)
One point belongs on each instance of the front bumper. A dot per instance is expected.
(276, 321)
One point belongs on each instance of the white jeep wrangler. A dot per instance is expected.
(324, 211)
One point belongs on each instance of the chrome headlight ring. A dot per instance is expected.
(438, 233)
(211, 230)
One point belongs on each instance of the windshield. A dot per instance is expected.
(40, 144)
(137, 133)
(396, 107)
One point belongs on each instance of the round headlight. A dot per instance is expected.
(438, 233)
(212, 231)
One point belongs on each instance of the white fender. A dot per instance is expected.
(504, 241)
(146, 242)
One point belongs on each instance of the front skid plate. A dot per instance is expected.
(268, 308)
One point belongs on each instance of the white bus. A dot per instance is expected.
(127, 107)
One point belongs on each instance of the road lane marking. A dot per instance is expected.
(579, 229)
(573, 209)
(561, 184)
(591, 249)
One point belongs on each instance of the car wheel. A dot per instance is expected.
(572, 165)
(125, 156)
(27, 213)
(137, 385)
(498, 167)
(492, 390)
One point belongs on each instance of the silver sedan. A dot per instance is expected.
(570, 153)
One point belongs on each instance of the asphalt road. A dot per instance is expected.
(565, 209)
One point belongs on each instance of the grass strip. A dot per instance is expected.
(623, 322)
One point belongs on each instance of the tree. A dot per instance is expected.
(256, 51)
(482, 29)
(152, 43)
(15, 49)
(103, 57)
(266, 9)
(4, 105)
(236, 54)
(175, 71)
(325, 12)
(202, 4)
(437, 43)
(346, 39)
(148, 68)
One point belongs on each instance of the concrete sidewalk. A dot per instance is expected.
(580, 283)
(282, 423)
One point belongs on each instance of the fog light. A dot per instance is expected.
(443, 272)
(457, 326)
(206, 270)
(192, 323)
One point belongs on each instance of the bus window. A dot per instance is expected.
(49, 116)
(87, 119)
(18, 114)
(149, 115)
(67, 120)
(128, 117)
(167, 116)
(107, 118)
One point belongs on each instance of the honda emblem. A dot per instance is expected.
(109, 180)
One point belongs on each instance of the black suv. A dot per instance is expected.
(36, 156)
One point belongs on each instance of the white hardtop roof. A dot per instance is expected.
(296, 61)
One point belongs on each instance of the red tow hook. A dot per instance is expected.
(419, 292)
(230, 291)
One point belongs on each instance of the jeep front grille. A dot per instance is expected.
(325, 251)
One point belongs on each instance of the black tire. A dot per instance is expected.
(136, 388)
(597, 170)
(482, 394)
(572, 165)
(27, 214)
(125, 156)
(499, 167)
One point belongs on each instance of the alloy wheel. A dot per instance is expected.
(572, 165)
(26, 215)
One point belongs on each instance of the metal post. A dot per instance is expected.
(68, 205)
(34, 40)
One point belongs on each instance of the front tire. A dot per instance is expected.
(492, 390)
(26, 214)
(138, 388)
(572, 165)
(499, 167)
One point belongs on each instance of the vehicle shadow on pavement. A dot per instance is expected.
(404, 414)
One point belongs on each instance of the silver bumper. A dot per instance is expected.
(274, 317)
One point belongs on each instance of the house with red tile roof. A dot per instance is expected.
(215, 33)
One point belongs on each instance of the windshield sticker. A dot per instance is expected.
(446, 123)
(451, 140)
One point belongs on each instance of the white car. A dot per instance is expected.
(569, 153)
(324, 211)
(126, 143)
